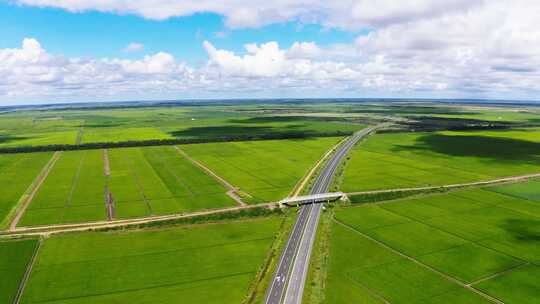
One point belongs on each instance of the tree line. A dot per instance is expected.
(163, 142)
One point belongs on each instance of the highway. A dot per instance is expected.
(289, 278)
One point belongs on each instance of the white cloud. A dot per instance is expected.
(479, 50)
(133, 47)
(349, 14)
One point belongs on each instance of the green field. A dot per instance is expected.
(18, 171)
(401, 160)
(528, 190)
(72, 192)
(158, 180)
(266, 170)
(199, 264)
(93, 125)
(14, 259)
(417, 250)
(143, 182)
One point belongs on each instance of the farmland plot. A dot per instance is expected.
(141, 181)
(199, 264)
(401, 160)
(17, 172)
(14, 259)
(73, 191)
(267, 170)
(158, 180)
(429, 249)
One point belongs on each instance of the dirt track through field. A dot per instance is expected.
(106, 163)
(27, 273)
(109, 204)
(419, 263)
(109, 198)
(34, 188)
(61, 228)
(510, 179)
(233, 191)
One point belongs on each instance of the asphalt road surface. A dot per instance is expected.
(289, 279)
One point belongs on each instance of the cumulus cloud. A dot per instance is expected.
(433, 48)
(30, 71)
(349, 14)
(133, 47)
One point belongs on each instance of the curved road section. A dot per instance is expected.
(288, 283)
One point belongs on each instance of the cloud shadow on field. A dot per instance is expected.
(496, 148)
(4, 139)
(284, 119)
(239, 131)
(523, 230)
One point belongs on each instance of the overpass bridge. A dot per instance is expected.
(312, 198)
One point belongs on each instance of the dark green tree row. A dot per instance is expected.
(162, 142)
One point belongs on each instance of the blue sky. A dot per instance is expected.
(94, 34)
(75, 50)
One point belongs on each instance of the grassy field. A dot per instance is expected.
(14, 258)
(430, 249)
(266, 170)
(143, 181)
(400, 160)
(18, 171)
(199, 264)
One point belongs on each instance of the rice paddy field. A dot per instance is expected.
(17, 172)
(140, 181)
(469, 246)
(479, 245)
(265, 170)
(14, 259)
(401, 160)
(214, 263)
(94, 125)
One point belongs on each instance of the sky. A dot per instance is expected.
(94, 50)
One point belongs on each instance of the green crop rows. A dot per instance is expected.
(267, 170)
(200, 264)
(158, 180)
(41, 128)
(402, 160)
(14, 259)
(17, 172)
(143, 182)
(431, 249)
(72, 192)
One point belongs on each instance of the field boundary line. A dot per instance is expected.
(502, 180)
(305, 179)
(140, 188)
(419, 263)
(75, 181)
(27, 273)
(370, 291)
(59, 228)
(32, 190)
(80, 135)
(500, 273)
(232, 192)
